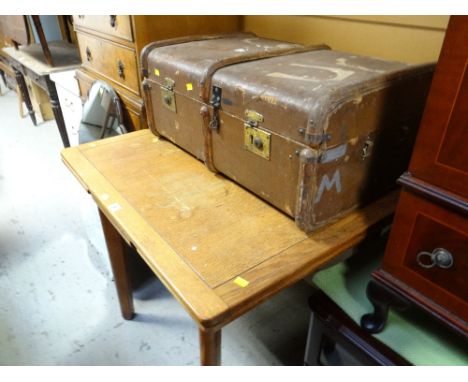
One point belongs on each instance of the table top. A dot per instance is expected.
(64, 54)
(218, 248)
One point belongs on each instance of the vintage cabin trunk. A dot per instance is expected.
(313, 131)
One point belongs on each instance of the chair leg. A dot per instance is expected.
(328, 345)
(315, 339)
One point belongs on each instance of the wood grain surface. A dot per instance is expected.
(219, 249)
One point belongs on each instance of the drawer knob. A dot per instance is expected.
(439, 257)
(113, 20)
(88, 54)
(120, 69)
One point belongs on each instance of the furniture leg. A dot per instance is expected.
(40, 32)
(2, 75)
(210, 347)
(119, 259)
(314, 343)
(25, 94)
(20, 101)
(381, 298)
(57, 110)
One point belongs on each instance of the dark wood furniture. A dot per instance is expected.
(110, 49)
(29, 60)
(219, 250)
(426, 260)
(331, 326)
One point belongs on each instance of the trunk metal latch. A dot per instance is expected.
(167, 94)
(256, 140)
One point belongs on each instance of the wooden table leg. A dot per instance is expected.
(57, 110)
(118, 255)
(25, 94)
(20, 102)
(2, 75)
(210, 347)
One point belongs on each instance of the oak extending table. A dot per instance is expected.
(219, 249)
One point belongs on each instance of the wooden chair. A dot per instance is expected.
(337, 304)
(17, 31)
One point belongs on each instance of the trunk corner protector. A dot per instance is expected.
(309, 156)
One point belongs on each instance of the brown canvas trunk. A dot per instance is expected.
(314, 132)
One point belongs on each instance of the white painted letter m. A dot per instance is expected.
(326, 183)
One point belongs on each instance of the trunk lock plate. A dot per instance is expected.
(167, 95)
(257, 141)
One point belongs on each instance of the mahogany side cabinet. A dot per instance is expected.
(426, 259)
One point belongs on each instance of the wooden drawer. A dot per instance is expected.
(132, 107)
(114, 62)
(118, 26)
(419, 230)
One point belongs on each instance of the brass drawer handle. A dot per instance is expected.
(439, 257)
(113, 20)
(367, 149)
(88, 54)
(120, 69)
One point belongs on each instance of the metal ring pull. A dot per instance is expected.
(439, 257)
(88, 54)
(113, 20)
(120, 69)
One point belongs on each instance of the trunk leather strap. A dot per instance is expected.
(147, 98)
(210, 124)
(167, 42)
(207, 77)
(208, 147)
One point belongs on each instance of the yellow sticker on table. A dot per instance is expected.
(156, 72)
(189, 86)
(241, 282)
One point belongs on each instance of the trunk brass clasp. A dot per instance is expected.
(167, 94)
(256, 140)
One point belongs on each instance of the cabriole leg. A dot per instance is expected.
(381, 298)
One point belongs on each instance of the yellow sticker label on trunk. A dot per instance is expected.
(156, 72)
(189, 86)
(241, 282)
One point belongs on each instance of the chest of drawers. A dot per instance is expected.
(110, 47)
(426, 260)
